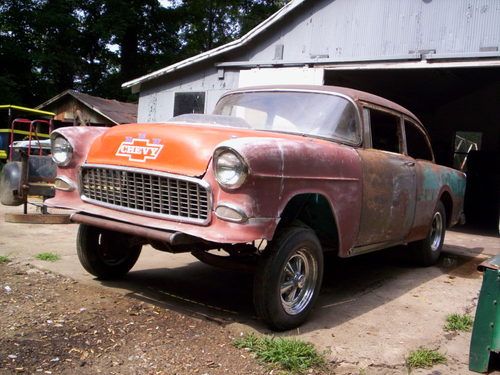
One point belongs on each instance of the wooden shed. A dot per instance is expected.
(76, 108)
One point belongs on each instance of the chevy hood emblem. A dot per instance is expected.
(139, 149)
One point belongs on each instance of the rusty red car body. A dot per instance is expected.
(334, 189)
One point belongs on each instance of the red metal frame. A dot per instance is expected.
(32, 129)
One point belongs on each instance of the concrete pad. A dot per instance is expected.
(373, 309)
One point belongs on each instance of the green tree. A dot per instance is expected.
(135, 37)
(254, 12)
(211, 23)
(100, 62)
(18, 76)
(47, 46)
(58, 51)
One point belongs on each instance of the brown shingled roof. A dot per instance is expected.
(114, 110)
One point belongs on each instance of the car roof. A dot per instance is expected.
(356, 95)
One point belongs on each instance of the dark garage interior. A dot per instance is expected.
(460, 108)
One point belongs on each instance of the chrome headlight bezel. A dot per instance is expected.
(61, 150)
(230, 168)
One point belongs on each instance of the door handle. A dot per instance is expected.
(409, 163)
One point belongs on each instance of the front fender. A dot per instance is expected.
(81, 139)
(281, 169)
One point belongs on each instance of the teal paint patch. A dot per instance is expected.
(455, 181)
(431, 178)
(434, 179)
(431, 184)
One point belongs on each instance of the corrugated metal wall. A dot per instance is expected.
(342, 30)
(374, 29)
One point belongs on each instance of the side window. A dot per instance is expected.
(416, 142)
(189, 102)
(386, 131)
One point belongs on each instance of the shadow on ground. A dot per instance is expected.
(364, 282)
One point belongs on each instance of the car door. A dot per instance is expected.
(427, 182)
(389, 188)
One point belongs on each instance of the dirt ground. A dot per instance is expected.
(175, 315)
(53, 324)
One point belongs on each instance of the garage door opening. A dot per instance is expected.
(460, 109)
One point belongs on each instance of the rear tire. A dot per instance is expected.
(426, 252)
(288, 278)
(106, 254)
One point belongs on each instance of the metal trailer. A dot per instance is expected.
(9, 133)
(28, 169)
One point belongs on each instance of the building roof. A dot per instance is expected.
(221, 49)
(115, 111)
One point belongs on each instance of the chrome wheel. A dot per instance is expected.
(426, 252)
(436, 234)
(288, 278)
(298, 281)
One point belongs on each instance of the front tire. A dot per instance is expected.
(106, 254)
(288, 278)
(426, 252)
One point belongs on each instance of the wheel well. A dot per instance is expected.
(313, 210)
(448, 206)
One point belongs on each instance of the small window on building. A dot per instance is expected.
(465, 142)
(385, 129)
(416, 142)
(189, 102)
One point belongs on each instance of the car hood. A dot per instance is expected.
(175, 148)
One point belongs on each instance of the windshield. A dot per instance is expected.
(308, 113)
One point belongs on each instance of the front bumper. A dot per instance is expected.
(218, 231)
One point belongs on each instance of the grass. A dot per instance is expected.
(424, 358)
(48, 257)
(287, 354)
(4, 259)
(458, 322)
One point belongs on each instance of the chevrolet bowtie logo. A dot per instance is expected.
(139, 149)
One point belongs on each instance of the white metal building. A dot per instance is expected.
(439, 58)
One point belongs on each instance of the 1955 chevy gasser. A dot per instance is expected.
(301, 170)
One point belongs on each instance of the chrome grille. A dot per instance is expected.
(147, 193)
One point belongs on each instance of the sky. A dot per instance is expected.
(166, 3)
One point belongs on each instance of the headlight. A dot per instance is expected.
(230, 168)
(62, 152)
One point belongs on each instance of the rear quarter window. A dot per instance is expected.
(416, 142)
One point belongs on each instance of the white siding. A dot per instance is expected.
(156, 104)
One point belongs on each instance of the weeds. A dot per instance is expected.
(4, 259)
(48, 257)
(288, 354)
(458, 322)
(424, 358)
